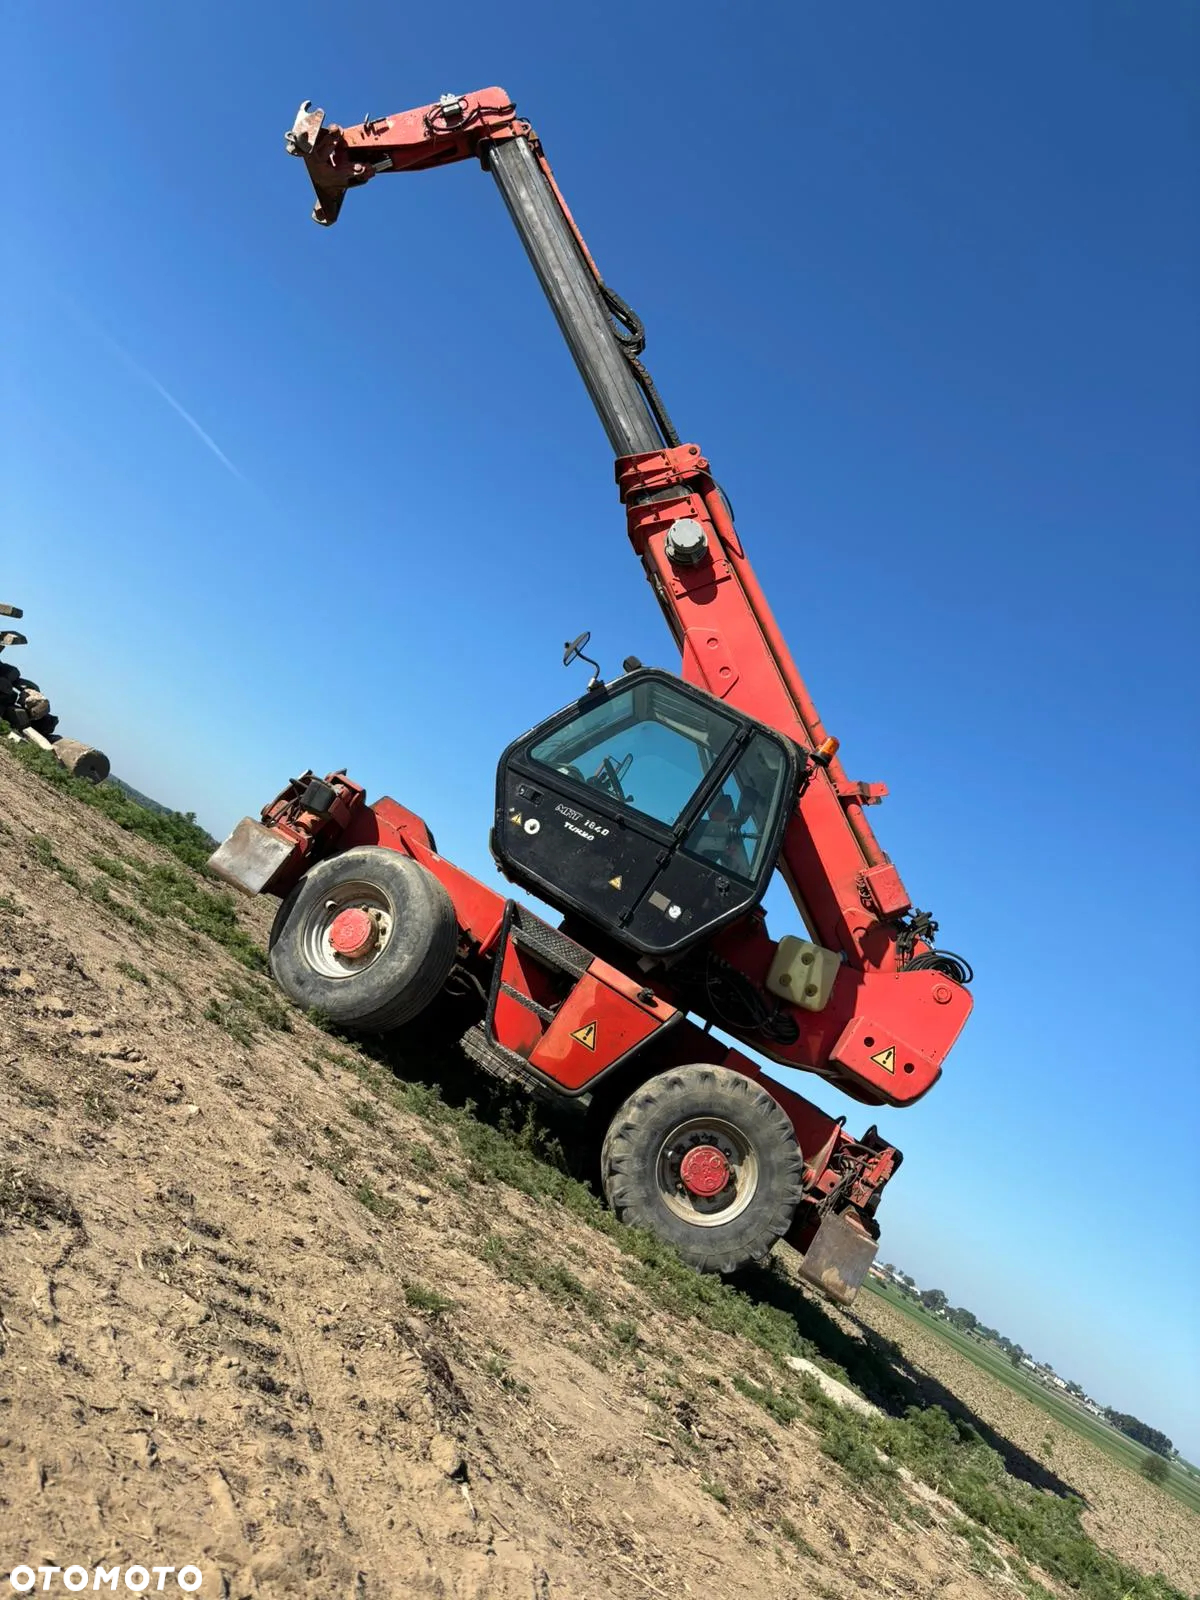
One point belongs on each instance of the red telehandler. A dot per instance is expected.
(651, 814)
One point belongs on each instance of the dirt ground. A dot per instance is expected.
(223, 1343)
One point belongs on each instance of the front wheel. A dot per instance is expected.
(706, 1159)
(367, 938)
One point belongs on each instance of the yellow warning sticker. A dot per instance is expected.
(586, 1035)
(516, 818)
(886, 1059)
(615, 883)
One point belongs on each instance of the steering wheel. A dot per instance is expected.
(608, 777)
(615, 778)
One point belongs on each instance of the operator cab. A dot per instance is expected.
(648, 808)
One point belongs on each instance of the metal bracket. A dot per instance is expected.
(867, 794)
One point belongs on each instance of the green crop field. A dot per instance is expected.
(1181, 1483)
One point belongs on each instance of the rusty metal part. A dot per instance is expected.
(838, 1258)
(251, 856)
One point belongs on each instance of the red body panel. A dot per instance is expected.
(595, 1026)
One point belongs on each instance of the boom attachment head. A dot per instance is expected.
(451, 129)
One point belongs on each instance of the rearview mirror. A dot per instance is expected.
(571, 650)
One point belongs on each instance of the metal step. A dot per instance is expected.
(504, 1064)
(528, 1002)
(549, 945)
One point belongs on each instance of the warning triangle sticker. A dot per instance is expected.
(886, 1059)
(615, 883)
(516, 817)
(586, 1035)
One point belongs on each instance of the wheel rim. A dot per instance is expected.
(315, 940)
(738, 1154)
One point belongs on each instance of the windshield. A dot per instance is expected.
(646, 747)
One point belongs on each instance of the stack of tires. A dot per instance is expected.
(27, 710)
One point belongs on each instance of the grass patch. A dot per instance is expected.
(520, 1265)
(43, 854)
(496, 1366)
(98, 1107)
(377, 1204)
(774, 1401)
(169, 892)
(718, 1491)
(246, 1010)
(99, 891)
(226, 1016)
(112, 869)
(794, 1537)
(422, 1160)
(1044, 1528)
(10, 906)
(134, 974)
(421, 1298)
(853, 1450)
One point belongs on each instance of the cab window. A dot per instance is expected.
(740, 817)
(645, 747)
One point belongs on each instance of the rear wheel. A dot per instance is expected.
(707, 1160)
(367, 937)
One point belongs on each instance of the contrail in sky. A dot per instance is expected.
(148, 377)
(140, 371)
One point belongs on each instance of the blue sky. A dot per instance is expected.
(921, 281)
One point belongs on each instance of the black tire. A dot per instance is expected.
(411, 963)
(638, 1157)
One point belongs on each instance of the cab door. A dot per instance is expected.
(626, 809)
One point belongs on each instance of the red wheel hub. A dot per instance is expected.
(704, 1171)
(353, 933)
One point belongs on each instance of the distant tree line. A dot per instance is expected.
(1140, 1432)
